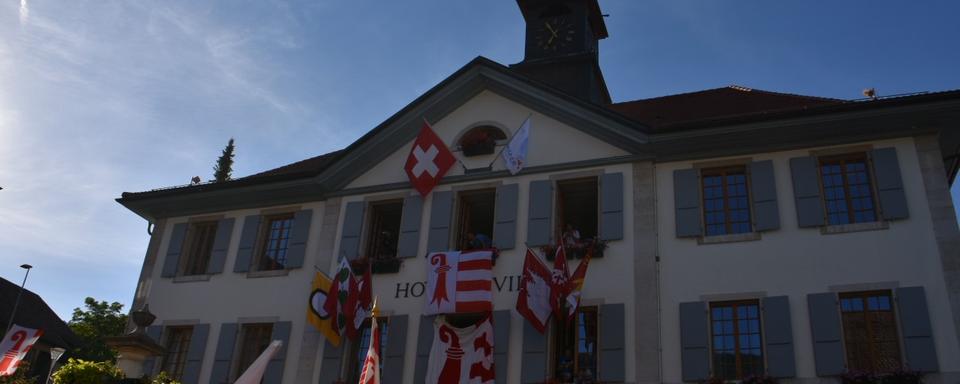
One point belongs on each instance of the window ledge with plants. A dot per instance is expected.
(595, 247)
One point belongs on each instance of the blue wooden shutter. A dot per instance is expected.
(806, 191)
(920, 353)
(501, 343)
(220, 373)
(441, 213)
(613, 336)
(686, 193)
(893, 201)
(274, 372)
(611, 206)
(300, 233)
(154, 332)
(408, 244)
(424, 343)
(396, 345)
(330, 366)
(174, 250)
(825, 329)
(534, 359)
(198, 345)
(540, 213)
(694, 341)
(763, 192)
(505, 222)
(248, 240)
(352, 228)
(778, 334)
(220, 244)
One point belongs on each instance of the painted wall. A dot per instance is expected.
(795, 262)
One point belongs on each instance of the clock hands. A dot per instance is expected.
(553, 33)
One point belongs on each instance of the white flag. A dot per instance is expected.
(254, 373)
(14, 347)
(515, 154)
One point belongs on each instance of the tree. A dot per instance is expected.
(97, 321)
(224, 166)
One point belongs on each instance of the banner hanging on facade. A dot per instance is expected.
(16, 343)
(461, 355)
(459, 282)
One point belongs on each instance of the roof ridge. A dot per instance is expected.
(735, 87)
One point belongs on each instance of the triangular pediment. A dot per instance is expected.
(563, 129)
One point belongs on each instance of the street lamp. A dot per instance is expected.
(55, 354)
(17, 302)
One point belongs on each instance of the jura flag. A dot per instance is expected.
(16, 343)
(461, 355)
(459, 282)
(515, 154)
(428, 161)
(370, 373)
(533, 300)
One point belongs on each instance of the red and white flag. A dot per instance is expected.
(533, 300)
(370, 373)
(559, 283)
(428, 161)
(16, 343)
(459, 282)
(461, 355)
(342, 301)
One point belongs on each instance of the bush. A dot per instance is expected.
(87, 372)
(163, 378)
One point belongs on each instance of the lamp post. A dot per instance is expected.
(55, 354)
(17, 302)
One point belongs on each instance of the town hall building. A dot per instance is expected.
(735, 232)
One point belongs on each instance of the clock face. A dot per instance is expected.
(556, 33)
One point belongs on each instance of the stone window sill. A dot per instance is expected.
(273, 273)
(191, 278)
(723, 239)
(858, 227)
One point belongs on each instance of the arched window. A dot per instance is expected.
(480, 140)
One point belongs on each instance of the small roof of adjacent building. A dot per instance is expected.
(33, 312)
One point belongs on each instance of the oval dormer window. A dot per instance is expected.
(481, 140)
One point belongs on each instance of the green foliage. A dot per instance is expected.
(97, 321)
(87, 372)
(163, 378)
(20, 376)
(224, 166)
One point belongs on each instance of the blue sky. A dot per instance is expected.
(98, 97)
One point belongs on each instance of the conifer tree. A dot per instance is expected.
(224, 166)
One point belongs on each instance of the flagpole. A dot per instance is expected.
(508, 142)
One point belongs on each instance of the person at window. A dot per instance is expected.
(571, 237)
(388, 246)
(478, 241)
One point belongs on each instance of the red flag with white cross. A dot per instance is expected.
(428, 161)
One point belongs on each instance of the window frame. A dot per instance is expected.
(458, 232)
(236, 368)
(368, 234)
(894, 325)
(738, 360)
(554, 334)
(723, 171)
(560, 222)
(871, 186)
(196, 255)
(356, 348)
(183, 349)
(263, 240)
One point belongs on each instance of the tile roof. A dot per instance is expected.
(660, 113)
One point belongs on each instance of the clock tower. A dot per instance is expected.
(562, 46)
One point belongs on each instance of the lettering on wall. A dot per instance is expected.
(416, 288)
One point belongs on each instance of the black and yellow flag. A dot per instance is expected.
(316, 315)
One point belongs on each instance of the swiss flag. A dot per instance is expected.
(428, 161)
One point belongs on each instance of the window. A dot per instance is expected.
(274, 238)
(475, 219)
(254, 339)
(384, 229)
(578, 212)
(736, 350)
(870, 331)
(175, 357)
(577, 353)
(480, 140)
(726, 205)
(360, 353)
(847, 191)
(199, 247)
